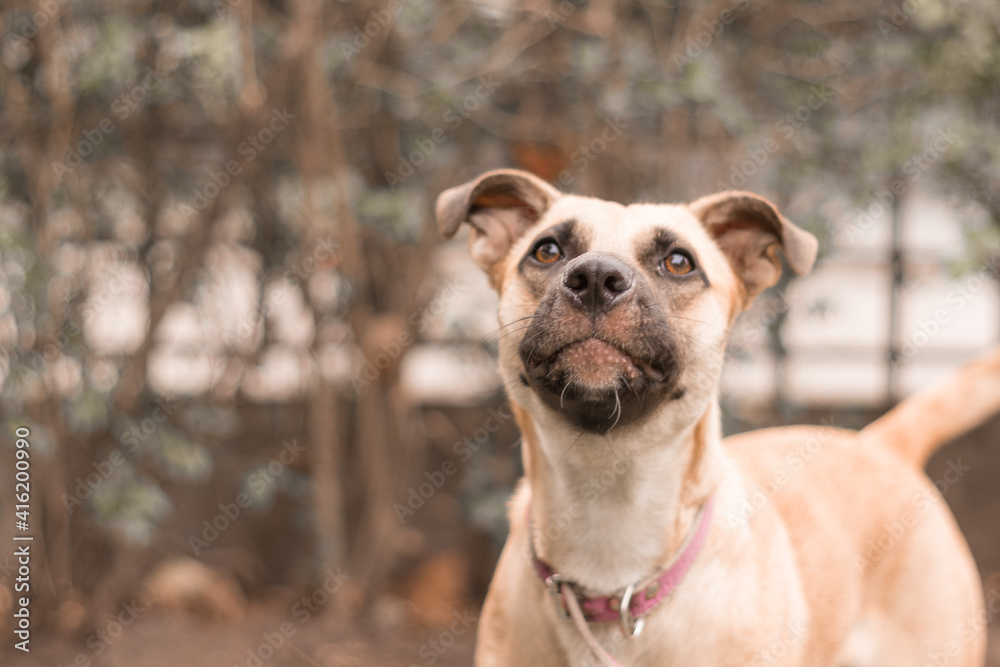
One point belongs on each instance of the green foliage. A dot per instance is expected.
(129, 505)
(88, 412)
(181, 458)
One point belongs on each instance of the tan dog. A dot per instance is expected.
(823, 546)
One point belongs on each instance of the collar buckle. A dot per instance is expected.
(554, 583)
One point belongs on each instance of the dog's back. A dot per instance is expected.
(859, 509)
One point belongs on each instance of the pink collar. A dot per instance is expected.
(639, 599)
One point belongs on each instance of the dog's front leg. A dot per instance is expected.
(515, 627)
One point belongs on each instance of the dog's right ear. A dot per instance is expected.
(500, 206)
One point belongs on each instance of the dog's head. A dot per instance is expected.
(610, 313)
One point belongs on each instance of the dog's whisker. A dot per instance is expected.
(570, 448)
(690, 337)
(562, 395)
(509, 385)
(514, 331)
(523, 286)
(618, 409)
(672, 316)
(731, 335)
(504, 326)
(633, 389)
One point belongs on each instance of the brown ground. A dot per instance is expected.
(177, 640)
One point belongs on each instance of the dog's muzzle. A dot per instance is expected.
(599, 349)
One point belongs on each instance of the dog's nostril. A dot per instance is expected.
(576, 281)
(617, 283)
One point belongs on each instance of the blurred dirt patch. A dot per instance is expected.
(269, 635)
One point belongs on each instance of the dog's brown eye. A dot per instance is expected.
(548, 252)
(678, 263)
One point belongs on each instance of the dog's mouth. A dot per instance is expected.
(591, 366)
(595, 383)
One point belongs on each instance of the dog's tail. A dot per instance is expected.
(923, 422)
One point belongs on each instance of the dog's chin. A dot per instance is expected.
(597, 386)
(594, 368)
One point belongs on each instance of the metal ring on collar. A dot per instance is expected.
(632, 627)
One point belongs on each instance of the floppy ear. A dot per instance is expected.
(749, 231)
(500, 206)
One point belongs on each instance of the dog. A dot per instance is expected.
(633, 539)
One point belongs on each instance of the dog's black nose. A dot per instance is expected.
(598, 282)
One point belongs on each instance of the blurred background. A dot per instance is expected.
(265, 424)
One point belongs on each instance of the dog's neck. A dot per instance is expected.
(609, 511)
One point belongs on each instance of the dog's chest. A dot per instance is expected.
(726, 612)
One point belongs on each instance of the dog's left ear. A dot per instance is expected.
(500, 206)
(749, 231)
